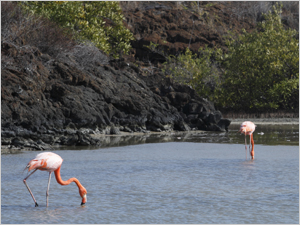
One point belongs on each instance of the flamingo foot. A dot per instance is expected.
(36, 205)
(252, 154)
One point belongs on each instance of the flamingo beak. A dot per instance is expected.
(84, 199)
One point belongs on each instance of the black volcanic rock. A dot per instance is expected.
(47, 101)
(43, 99)
(54, 95)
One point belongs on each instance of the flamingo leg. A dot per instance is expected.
(250, 144)
(29, 188)
(47, 192)
(246, 146)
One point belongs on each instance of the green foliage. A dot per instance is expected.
(197, 71)
(262, 68)
(100, 22)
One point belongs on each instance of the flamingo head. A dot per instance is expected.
(243, 129)
(83, 192)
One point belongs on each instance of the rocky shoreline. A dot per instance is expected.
(122, 138)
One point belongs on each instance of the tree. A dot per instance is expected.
(198, 71)
(262, 68)
(100, 22)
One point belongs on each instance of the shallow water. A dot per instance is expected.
(276, 134)
(172, 182)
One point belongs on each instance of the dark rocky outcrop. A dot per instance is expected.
(68, 99)
(49, 101)
(175, 28)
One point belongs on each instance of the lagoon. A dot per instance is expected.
(203, 178)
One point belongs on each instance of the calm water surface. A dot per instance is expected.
(181, 181)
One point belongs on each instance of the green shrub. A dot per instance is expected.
(262, 68)
(258, 72)
(200, 72)
(23, 29)
(100, 22)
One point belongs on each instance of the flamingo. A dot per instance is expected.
(51, 162)
(248, 128)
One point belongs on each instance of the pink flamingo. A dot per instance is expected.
(248, 128)
(51, 162)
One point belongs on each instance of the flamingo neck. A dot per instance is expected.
(67, 182)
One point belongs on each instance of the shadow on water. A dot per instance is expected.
(265, 134)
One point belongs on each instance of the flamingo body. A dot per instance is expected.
(248, 128)
(46, 161)
(51, 162)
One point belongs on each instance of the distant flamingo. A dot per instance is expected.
(51, 162)
(248, 128)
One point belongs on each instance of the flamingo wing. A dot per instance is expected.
(47, 161)
(247, 127)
